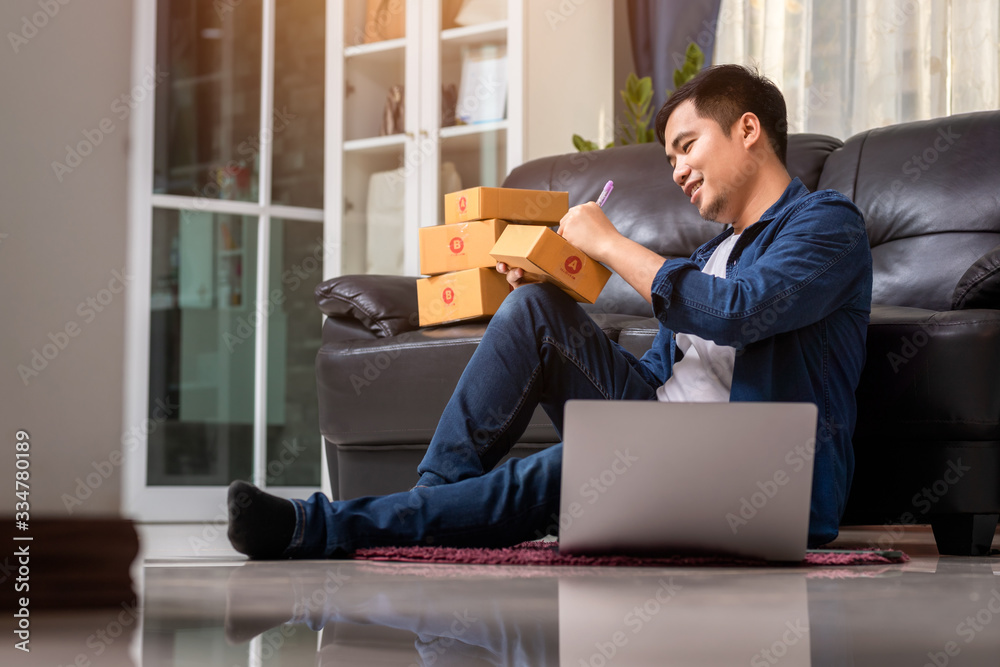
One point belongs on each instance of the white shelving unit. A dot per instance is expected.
(546, 49)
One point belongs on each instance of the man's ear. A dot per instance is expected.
(749, 129)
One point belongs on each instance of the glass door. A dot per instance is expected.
(227, 211)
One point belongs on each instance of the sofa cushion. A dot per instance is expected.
(928, 192)
(980, 286)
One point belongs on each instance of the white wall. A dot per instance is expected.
(570, 68)
(64, 243)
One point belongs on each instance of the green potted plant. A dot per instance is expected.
(638, 96)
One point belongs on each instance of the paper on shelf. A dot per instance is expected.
(482, 93)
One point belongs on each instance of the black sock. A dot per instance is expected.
(260, 525)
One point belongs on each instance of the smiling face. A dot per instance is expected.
(707, 162)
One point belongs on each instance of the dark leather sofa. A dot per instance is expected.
(927, 442)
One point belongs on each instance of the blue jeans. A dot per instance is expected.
(540, 348)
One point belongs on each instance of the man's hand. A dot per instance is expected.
(518, 277)
(587, 228)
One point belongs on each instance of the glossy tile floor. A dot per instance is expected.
(204, 605)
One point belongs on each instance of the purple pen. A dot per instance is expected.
(608, 187)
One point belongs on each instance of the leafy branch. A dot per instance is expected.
(638, 96)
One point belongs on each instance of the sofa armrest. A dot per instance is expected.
(385, 305)
(979, 287)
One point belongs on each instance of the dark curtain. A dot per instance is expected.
(661, 31)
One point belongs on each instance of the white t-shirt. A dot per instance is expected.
(705, 374)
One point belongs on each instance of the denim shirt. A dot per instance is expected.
(795, 304)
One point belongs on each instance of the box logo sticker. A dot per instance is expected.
(462, 203)
(573, 265)
(456, 245)
(448, 295)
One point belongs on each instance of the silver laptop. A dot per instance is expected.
(687, 478)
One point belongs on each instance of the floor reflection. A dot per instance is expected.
(932, 611)
(640, 621)
(452, 620)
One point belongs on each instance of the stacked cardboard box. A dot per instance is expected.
(487, 225)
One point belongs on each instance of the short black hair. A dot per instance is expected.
(726, 92)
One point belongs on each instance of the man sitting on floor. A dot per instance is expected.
(775, 308)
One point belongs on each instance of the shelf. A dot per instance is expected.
(474, 128)
(376, 49)
(468, 137)
(387, 145)
(476, 34)
(453, 40)
(214, 77)
(456, 135)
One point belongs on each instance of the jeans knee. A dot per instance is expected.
(540, 297)
(532, 307)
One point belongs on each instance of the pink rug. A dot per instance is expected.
(547, 554)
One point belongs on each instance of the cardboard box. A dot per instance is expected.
(461, 295)
(465, 245)
(525, 206)
(541, 251)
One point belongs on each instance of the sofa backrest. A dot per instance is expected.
(646, 205)
(930, 194)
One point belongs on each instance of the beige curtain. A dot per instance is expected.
(850, 65)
